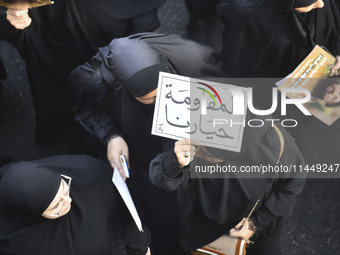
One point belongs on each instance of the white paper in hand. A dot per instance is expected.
(125, 194)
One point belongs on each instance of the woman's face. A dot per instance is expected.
(317, 4)
(61, 204)
(332, 95)
(149, 98)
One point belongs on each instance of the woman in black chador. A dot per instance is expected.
(65, 205)
(55, 39)
(269, 38)
(211, 207)
(113, 98)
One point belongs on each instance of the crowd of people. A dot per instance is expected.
(93, 71)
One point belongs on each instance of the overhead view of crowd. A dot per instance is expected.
(93, 69)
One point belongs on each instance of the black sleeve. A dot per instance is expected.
(262, 218)
(283, 197)
(137, 242)
(165, 171)
(86, 92)
(280, 202)
(286, 188)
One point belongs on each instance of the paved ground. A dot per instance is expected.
(314, 227)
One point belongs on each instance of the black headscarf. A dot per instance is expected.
(26, 190)
(144, 81)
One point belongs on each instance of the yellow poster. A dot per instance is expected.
(314, 74)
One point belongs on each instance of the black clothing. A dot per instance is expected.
(210, 207)
(93, 224)
(104, 105)
(201, 17)
(144, 81)
(303, 3)
(5, 160)
(3, 73)
(267, 38)
(65, 35)
(324, 26)
(3, 76)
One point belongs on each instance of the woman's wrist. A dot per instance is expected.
(111, 137)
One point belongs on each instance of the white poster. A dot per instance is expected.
(200, 110)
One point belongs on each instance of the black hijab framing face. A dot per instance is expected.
(132, 67)
(144, 81)
(27, 189)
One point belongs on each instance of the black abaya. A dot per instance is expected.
(269, 39)
(210, 207)
(104, 104)
(65, 35)
(92, 226)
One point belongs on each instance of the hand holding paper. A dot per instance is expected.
(185, 151)
(115, 148)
